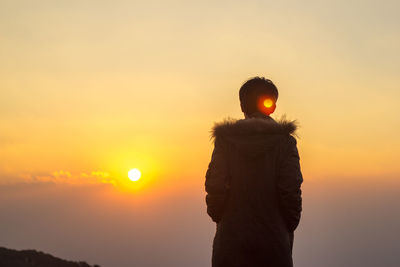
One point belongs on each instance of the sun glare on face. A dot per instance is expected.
(134, 175)
(268, 103)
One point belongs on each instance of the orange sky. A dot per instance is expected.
(107, 88)
(82, 97)
(89, 92)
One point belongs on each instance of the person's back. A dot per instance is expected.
(253, 184)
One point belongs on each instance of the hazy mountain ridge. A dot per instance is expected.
(33, 258)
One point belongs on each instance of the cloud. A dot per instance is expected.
(61, 174)
(60, 177)
(98, 176)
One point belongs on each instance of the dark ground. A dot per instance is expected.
(33, 258)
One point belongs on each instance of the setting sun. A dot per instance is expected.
(268, 103)
(134, 175)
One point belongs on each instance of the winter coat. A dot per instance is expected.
(253, 192)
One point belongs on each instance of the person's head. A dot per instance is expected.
(258, 95)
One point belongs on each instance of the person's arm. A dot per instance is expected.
(289, 183)
(216, 181)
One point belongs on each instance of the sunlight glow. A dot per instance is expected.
(268, 103)
(134, 175)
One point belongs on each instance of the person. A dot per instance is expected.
(253, 183)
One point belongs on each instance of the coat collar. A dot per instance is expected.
(254, 126)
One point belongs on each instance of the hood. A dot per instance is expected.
(254, 136)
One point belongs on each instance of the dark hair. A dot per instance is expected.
(253, 89)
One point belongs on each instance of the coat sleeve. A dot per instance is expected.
(216, 181)
(289, 185)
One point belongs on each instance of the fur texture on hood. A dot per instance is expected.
(253, 126)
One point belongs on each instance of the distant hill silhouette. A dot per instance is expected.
(33, 258)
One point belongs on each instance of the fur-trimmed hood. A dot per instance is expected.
(252, 126)
(253, 136)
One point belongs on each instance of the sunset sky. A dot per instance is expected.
(92, 89)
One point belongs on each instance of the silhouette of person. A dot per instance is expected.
(253, 183)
